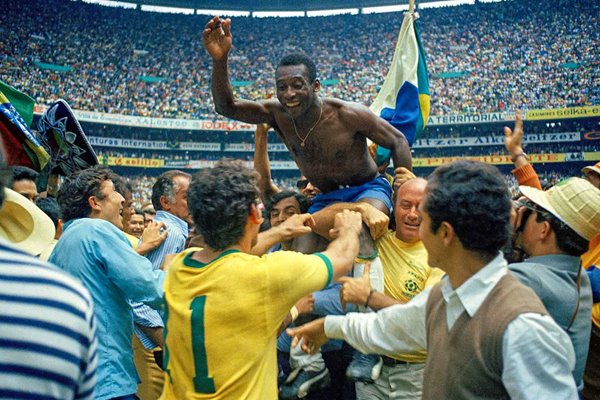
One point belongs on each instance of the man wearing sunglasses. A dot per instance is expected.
(554, 228)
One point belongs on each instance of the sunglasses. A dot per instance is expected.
(302, 183)
(530, 207)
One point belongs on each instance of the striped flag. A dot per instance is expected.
(21, 144)
(404, 100)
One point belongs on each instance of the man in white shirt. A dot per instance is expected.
(487, 335)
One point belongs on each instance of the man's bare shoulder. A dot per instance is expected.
(272, 105)
(349, 111)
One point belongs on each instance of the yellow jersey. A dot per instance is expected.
(405, 274)
(592, 257)
(405, 269)
(221, 320)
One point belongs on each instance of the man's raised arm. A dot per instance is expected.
(218, 41)
(382, 133)
(261, 163)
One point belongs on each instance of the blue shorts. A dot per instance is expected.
(379, 188)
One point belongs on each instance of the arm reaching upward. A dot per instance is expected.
(218, 42)
(513, 141)
(261, 163)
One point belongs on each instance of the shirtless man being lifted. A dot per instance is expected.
(326, 137)
(328, 140)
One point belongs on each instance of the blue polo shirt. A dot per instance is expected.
(100, 256)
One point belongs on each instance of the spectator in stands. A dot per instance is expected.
(93, 249)
(480, 73)
(23, 182)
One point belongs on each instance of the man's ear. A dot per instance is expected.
(94, 204)
(165, 204)
(545, 230)
(316, 85)
(255, 215)
(59, 227)
(447, 232)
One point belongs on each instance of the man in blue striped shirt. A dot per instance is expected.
(47, 323)
(169, 198)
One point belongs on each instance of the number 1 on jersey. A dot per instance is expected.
(202, 382)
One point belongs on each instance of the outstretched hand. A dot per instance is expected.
(356, 290)
(311, 336)
(217, 37)
(152, 237)
(305, 305)
(513, 140)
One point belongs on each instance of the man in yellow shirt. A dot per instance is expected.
(224, 306)
(406, 274)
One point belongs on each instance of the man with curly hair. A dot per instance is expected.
(93, 249)
(223, 303)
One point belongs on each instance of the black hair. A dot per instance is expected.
(473, 198)
(567, 239)
(300, 59)
(303, 202)
(123, 187)
(20, 173)
(50, 207)
(220, 199)
(75, 191)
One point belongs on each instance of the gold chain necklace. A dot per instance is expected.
(311, 129)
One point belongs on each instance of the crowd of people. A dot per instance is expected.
(358, 282)
(191, 234)
(118, 64)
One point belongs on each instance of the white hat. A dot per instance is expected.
(595, 168)
(574, 201)
(24, 225)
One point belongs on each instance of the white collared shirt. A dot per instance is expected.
(537, 354)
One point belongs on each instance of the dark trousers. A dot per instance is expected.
(591, 378)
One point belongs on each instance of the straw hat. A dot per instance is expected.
(595, 168)
(574, 201)
(24, 225)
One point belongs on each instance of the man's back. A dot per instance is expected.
(47, 331)
(223, 318)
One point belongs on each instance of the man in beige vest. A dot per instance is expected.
(487, 335)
